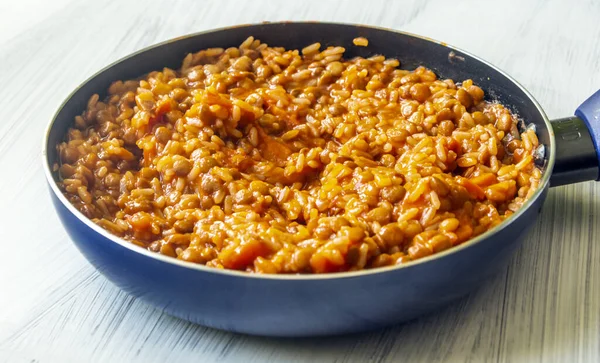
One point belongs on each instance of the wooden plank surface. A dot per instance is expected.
(55, 308)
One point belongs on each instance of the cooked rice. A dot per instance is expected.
(360, 42)
(283, 161)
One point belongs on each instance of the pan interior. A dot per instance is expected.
(412, 51)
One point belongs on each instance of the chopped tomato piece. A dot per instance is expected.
(272, 149)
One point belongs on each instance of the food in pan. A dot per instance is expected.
(269, 160)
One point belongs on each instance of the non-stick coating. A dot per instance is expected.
(302, 306)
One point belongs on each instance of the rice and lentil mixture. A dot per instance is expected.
(269, 160)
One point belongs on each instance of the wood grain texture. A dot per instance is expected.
(55, 308)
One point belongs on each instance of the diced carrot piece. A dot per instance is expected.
(321, 264)
(244, 254)
(464, 232)
(473, 189)
(484, 180)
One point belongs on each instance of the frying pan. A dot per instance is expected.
(312, 305)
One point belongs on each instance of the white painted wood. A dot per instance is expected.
(55, 308)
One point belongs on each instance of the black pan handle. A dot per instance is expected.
(578, 145)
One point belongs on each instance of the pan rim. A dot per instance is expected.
(296, 277)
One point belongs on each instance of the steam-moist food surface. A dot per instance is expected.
(269, 160)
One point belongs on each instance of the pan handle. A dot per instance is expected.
(578, 144)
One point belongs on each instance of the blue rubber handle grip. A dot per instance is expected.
(589, 112)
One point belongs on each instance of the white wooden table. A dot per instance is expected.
(54, 307)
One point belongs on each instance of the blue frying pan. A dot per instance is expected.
(312, 305)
